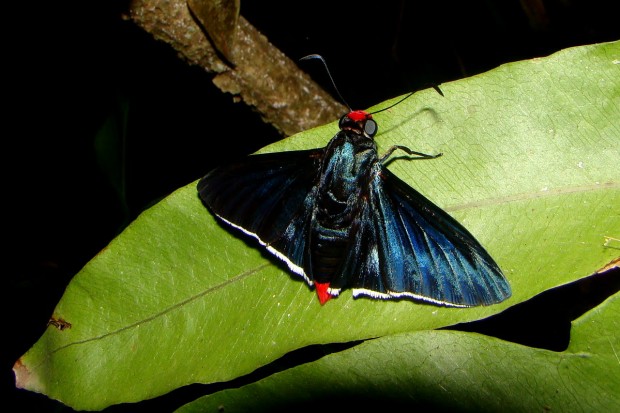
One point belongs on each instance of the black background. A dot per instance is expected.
(71, 65)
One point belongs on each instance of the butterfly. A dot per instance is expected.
(340, 219)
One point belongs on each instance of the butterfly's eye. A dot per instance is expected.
(343, 121)
(370, 127)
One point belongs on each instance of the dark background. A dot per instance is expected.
(70, 66)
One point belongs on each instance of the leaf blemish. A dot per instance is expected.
(59, 323)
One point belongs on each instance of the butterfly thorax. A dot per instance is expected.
(342, 191)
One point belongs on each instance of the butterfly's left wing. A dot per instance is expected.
(268, 196)
(405, 246)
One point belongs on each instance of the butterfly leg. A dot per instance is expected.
(409, 152)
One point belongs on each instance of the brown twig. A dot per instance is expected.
(260, 75)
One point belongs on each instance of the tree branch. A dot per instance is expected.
(259, 74)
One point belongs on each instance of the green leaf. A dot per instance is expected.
(529, 167)
(449, 371)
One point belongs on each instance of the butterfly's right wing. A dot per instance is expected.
(270, 197)
(406, 246)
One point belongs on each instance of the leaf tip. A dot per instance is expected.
(25, 379)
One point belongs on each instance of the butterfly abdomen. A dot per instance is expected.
(343, 188)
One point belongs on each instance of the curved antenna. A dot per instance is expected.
(406, 97)
(318, 56)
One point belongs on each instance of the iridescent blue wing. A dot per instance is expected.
(405, 246)
(270, 197)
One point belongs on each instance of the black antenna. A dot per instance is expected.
(394, 104)
(318, 56)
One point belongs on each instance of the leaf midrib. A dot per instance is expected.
(533, 195)
(165, 311)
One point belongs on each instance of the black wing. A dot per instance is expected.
(268, 196)
(405, 246)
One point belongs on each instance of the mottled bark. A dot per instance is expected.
(254, 72)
